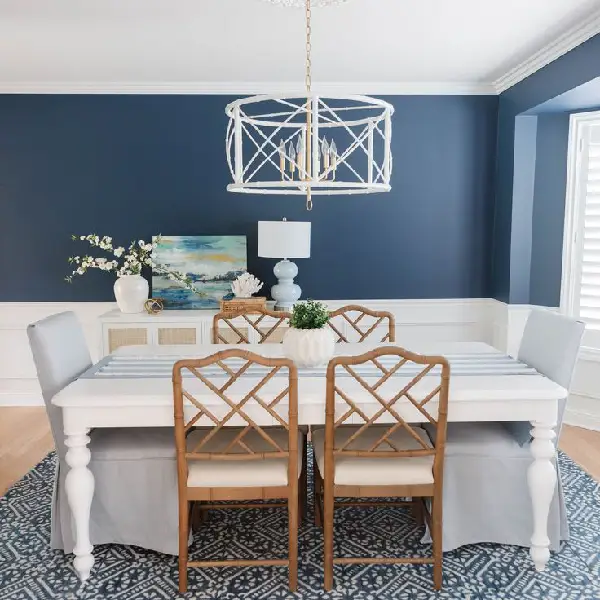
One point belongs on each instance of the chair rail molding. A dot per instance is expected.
(478, 319)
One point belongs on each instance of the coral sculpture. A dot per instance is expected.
(246, 285)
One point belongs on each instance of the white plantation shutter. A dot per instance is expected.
(589, 234)
(581, 260)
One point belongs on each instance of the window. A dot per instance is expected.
(580, 295)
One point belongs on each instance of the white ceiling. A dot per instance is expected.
(231, 42)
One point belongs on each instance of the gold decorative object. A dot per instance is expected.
(154, 306)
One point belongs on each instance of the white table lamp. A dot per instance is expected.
(284, 239)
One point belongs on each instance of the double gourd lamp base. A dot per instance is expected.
(284, 240)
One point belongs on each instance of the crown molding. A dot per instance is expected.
(572, 38)
(425, 88)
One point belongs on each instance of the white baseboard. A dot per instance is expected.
(479, 319)
(583, 408)
(589, 419)
(583, 420)
(20, 392)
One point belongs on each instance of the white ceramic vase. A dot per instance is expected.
(309, 347)
(131, 291)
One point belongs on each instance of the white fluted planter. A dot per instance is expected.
(131, 292)
(309, 347)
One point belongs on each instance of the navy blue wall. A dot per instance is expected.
(575, 68)
(133, 166)
(522, 209)
(549, 209)
(571, 70)
(584, 97)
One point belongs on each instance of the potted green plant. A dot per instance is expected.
(309, 342)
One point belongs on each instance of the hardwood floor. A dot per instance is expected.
(583, 446)
(25, 439)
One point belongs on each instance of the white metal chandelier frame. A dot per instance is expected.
(305, 162)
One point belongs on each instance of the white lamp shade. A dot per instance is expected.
(284, 239)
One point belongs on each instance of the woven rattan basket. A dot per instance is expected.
(229, 307)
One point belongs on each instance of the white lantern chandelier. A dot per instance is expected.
(311, 144)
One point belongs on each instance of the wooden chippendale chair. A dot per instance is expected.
(224, 453)
(354, 323)
(385, 456)
(268, 325)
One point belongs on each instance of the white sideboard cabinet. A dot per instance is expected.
(173, 327)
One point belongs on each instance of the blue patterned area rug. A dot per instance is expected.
(29, 570)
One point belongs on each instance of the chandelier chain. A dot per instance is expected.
(308, 47)
(309, 202)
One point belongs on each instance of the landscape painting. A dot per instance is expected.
(212, 263)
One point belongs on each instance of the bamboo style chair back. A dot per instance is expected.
(272, 323)
(236, 390)
(363, 324)
(218, 375)
(424, 385)
(406, 388)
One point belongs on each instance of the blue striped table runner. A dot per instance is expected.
(160, 367)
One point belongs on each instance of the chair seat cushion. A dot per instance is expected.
(480, 439)
(132, 443)
(376, 471)
(266, 472)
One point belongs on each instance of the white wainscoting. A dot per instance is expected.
(450, 320)
(415, 319)
(18, 382)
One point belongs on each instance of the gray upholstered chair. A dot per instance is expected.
(135, 500)
(486, 496)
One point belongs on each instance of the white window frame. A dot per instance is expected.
(575, 197)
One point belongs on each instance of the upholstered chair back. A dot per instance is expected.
(550, 344)
(60, 354)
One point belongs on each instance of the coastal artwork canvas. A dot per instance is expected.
(212, 262)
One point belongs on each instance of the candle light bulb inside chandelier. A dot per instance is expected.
(282, 158)
(333, 153)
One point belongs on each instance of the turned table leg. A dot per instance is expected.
(79, 486)
(542, 484)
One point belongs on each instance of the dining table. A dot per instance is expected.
(133, 388)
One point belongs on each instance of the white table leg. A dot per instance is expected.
(542, 483)
(79, 486)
